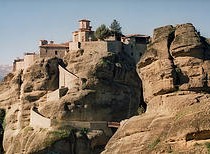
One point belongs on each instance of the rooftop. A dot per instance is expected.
(18, 60)
(52, 45)
(84, 20)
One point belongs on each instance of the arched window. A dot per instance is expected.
(56, 52)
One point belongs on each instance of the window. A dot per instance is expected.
(131, 46)
(56, 52)
(140, 54)
(131, 53)
(79, 45)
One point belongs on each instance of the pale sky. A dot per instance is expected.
(24, 22)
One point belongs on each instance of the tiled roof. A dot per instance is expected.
(66, 43)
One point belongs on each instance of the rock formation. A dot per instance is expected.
(174, 72)
(107, 89)
(175, 77)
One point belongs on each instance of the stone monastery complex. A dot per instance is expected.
(83, 39)
(134, 45)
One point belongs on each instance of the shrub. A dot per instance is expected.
(154, 144)
(207, 144)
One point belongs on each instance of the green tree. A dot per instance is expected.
(115, 28)
(102, 32)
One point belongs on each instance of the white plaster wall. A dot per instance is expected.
(53, 96)
(66, 79)
(19, 65)
(50, 52)
(28, 61)
(37, 120)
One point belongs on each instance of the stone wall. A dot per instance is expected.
(37, 120)
(52, 52)
(93, 125)
(76, 124)
(97, 46)
(135, 50)
(114, 46)
(66, 78)
(73, 46)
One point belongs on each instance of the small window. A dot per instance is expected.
(79, 45)
(56, 52)
(140, 54)
(131, 53)
(46, 51)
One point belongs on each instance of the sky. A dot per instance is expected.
(24, 22)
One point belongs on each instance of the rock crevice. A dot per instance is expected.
(175, 73)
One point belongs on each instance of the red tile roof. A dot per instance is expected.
(66, 43)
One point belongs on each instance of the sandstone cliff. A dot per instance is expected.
(106, 88)
(175, 78)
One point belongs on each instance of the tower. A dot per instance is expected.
(84, 25)
(84, 33)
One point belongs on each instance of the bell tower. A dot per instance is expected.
(84, 33)
(84, 25)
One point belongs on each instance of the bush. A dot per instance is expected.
(154, 144)
(207, 144)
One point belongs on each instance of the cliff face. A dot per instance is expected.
(175, 78)
(106, 89)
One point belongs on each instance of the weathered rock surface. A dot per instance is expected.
(107, 89)
(175, 78)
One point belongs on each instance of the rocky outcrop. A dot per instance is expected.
(106, 88)
(175, 78)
